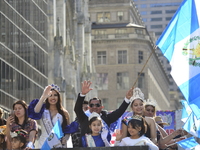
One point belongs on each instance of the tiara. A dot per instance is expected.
(18, 133)
(137, 94)
(137, 117)
(94, 114)
(55, 87)
(151, 102)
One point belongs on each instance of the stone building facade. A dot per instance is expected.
(70, 56)
(121, 47)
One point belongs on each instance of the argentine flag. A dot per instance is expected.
(53, 141)
(180, 44)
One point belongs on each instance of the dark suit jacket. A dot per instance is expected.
(108, 118)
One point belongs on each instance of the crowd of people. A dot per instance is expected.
(91, 127)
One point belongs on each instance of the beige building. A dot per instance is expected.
(121, 47)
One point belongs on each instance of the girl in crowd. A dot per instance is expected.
(162, 136)
(18, 139)
(19, 120)
(137, 106)
(49, 109)
(98, 137)
(136, 129)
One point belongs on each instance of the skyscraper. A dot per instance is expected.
(23, 50)
(157, 14)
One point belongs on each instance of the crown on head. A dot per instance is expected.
(94, 114)
(22, 133)
(55, 87)
(150, 102)
(137, 94)
(137, 117)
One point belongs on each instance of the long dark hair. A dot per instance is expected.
(136, 123)
(25, 106)
(92, 120)
(59, 108)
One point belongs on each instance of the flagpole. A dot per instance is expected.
(144, 64)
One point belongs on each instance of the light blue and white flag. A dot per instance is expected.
(180, 44)
(53, 141)
(192, 125)
(186, 111)
(188, 143)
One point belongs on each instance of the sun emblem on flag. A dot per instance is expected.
(192, 49)
(50, 136)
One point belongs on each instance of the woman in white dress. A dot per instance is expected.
(49, 110)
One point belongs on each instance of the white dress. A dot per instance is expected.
(44, 133)
(143, 140)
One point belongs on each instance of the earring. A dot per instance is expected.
(139, 133)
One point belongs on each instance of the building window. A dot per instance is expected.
(120, 33)
(140, 57)
(139, 31)
(102, 81)
(101, 57)
(168, 18)
(122, 80)
(103, 17)
(156, 19)
(164, 4)
(156, 26)
(120, 15)
(122, 57)
(158, 33)
(141, 80)
(100, 34)
(143, 13)
(143, 6)
(144, 19)
(170, 11)
(156, 12)
(105, 103)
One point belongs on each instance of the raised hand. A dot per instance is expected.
(86, 87)
(118, 135)
(129, 94)
(47, 92)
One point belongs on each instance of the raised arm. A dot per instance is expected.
(151, 122)
(165, 140)
(79, 102)
(112, 117)
(46, 93)
(8, 140)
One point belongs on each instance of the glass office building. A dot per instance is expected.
(23, 50)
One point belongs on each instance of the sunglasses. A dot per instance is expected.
(97, 105)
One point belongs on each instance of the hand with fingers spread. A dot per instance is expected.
(86, 87)
(129, 94)
(47, 92)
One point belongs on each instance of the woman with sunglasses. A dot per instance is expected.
(95, 105)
